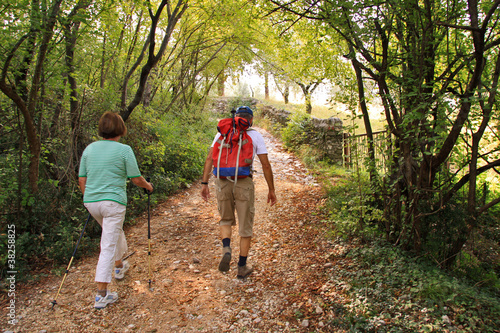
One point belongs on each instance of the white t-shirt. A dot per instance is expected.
(259, 146)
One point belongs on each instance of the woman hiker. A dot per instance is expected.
(105, 167)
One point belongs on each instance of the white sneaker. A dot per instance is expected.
(101, 302)
(120, 272)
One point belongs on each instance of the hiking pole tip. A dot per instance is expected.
(54, 302)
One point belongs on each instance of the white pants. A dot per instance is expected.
(110, 215)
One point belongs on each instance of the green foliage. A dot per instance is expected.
(355, 212)
(351, 207)
(297, 137)
(446, 226)
(64, 242)
(235, 102)
(294, 134)
(393, 292)
(171, 149)
(47, 229)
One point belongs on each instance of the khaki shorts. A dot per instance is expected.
(242, 199)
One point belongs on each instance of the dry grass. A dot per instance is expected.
(323, 112)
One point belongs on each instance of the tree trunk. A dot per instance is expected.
(307, 90)
(103, 62)
(307, 97)
(27, 105)
(366, 118)
(266, 86)
(173, 17)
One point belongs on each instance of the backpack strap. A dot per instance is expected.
(221, 146)
(238, 160)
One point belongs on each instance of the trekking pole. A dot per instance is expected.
(128, 255)
(149, 234)
(54, 302)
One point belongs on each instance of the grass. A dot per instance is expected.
(318, 111)
(324, 112)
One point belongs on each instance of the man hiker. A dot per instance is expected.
(237, 191)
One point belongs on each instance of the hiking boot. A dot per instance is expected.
(226, 259)
(244, 271)
(102, 301)
(120, 272)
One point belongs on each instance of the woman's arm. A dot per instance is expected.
(141, 182)
(82, 181)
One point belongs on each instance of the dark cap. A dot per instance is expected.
(244, 109)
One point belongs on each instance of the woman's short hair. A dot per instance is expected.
(111, 125)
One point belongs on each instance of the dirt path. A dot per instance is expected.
(287, 292)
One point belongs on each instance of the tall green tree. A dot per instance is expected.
(153, 56)
(436, 66)
(23, 67)
(300, 52)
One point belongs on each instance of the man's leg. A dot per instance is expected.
(243, 269)
(225, 205)
(225, 231)
(245, 246)
(245, 198)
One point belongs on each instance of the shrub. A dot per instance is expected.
(294, 134)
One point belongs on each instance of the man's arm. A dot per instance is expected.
(207, 169)
(268, 175)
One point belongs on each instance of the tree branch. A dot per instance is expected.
(458, 185)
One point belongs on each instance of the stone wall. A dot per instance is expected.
(222, 105)
(325, 135)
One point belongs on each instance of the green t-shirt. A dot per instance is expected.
(107, 165)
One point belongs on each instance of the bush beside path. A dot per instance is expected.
(288, 291)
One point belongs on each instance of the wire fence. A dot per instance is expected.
(356, 153)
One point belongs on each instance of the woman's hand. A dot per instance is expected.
(141, 182)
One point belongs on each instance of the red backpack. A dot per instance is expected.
(233, 151)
